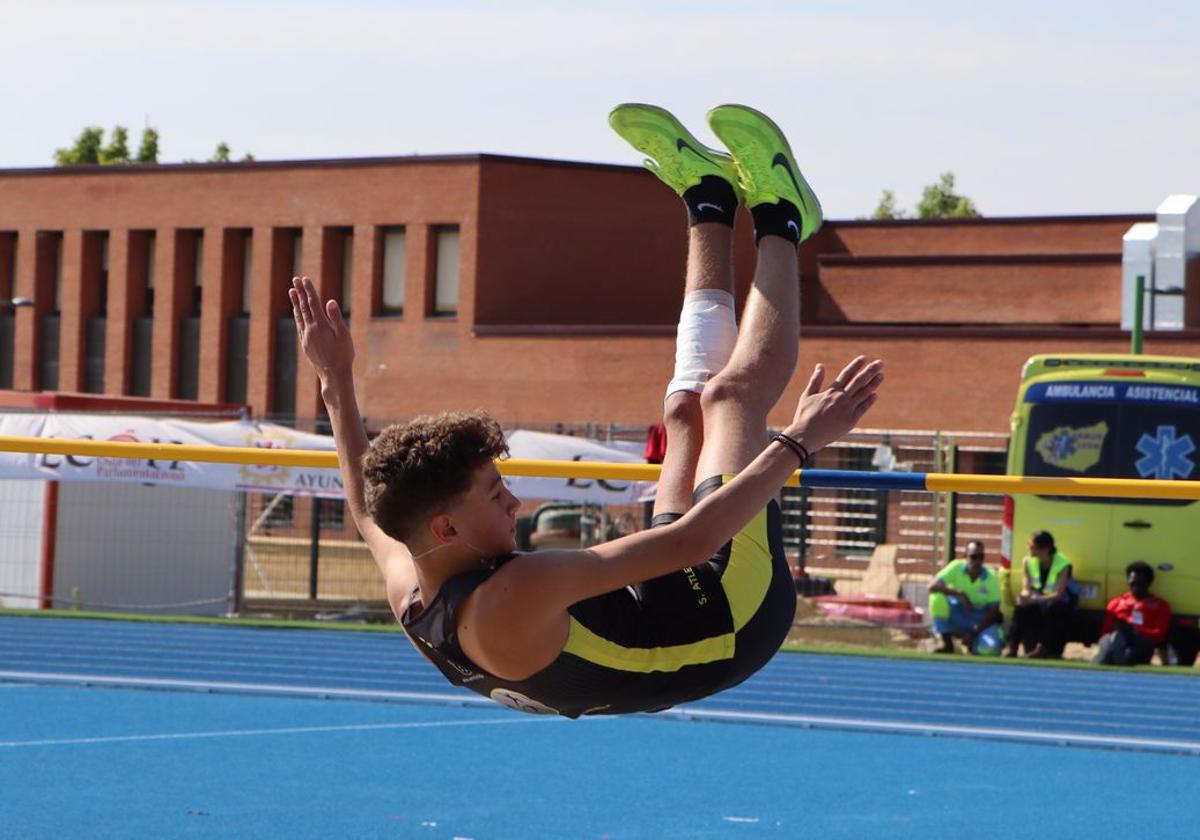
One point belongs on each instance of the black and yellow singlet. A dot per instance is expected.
(644, 648)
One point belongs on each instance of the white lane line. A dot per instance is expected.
(182, 671)
(1116, 709)
(460, 699)
(897, 727)
(290, 730)
(1121, 719)
(1007, 679)
(683, 712)
(133, 646)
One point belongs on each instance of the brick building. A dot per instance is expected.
(544, 291)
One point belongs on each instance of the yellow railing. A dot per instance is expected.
(934, 482)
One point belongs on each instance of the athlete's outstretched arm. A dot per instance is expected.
(325, 340)
(542, 583)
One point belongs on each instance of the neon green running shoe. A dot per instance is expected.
(677, 158)
(767, 170)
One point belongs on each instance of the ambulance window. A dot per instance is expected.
(1071, 439)
(1159, 442)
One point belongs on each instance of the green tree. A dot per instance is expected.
(887, 207)
(85, 150)
(89, 147)
(148, 151)
(224, 154)
(117, 150)
(939, 201)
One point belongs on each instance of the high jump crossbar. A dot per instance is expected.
(846, 479)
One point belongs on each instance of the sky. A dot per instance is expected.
(1036, 107)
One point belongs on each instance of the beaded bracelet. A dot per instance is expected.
(794, 445)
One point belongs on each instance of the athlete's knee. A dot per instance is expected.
(682, 414)
(731, 389)
(704, 340)
(723, 389)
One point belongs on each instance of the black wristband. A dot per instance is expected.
(794, 445)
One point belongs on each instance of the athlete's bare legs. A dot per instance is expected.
(706, 179)
(785, 211)
(737, 400)
(709, 266)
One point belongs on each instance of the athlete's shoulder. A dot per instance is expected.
(509, 624)
(400, 581)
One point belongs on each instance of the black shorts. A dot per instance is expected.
(679, 637)
(746, 589)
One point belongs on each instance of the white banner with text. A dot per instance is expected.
(255, 478)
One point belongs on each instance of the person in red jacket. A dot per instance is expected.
(1135, 623)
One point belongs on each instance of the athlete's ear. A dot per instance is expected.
(442, 528)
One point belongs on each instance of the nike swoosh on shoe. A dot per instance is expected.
(780, 159)
(682, 144)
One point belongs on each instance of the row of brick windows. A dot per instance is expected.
(96, 298)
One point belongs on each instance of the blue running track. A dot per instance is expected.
(115, 729)
(1117, 709)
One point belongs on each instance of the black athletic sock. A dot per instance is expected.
(780, 219)
(712, 200)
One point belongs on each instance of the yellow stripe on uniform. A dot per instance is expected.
(585, 644)
(747, 576)
(746, 579)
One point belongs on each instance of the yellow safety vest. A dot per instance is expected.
(1033, 568)
(983, 591)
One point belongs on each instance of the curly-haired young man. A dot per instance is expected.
(684, 609)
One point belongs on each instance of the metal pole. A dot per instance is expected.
(49, 536)
(314, 548)
(936, 503)
(238, 582)
(804, 507)
(951, 513)
(1139, 302)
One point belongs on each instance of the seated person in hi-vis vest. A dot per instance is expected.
(1046, 602)
(964, 601)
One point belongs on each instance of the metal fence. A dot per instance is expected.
(839, 529)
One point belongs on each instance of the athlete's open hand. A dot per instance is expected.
(824, 415)
(322, 331)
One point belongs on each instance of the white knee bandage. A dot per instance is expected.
(704, 342)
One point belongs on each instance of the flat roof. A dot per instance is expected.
(483, 157)
(301, 163)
